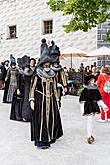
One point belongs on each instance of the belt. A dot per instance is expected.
(43, 93)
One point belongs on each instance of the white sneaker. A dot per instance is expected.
(102, 121)
(108, 119)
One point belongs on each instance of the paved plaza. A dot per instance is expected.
(72, 149)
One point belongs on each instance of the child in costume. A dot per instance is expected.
(90, 104)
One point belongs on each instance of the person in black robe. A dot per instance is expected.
(90, 104)
(1, 76)
(46, 124)
(54, 53)
(6, 65)
(10, 81)
(60, 78)
(20, 108)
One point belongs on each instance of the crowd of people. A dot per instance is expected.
(35, 90)
(86, 70)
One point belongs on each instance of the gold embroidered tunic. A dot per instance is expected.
(46, 123)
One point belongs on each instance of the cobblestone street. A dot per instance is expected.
(72, 149)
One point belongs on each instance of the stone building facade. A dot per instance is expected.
(23, 23)
(101, 34)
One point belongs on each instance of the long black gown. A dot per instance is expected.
(20, 109)
(46, 124)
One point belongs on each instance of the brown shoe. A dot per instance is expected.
(93, 138)
(90, 140)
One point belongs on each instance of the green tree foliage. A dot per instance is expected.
(107, 38)
(84, 14)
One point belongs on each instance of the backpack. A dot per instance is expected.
(106, 86)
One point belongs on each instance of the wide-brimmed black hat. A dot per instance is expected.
(88, 78)
(24, 61)
(44, 60)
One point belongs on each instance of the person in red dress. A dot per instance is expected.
(102, 78)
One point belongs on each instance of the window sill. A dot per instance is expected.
(11, 38)
(46, 33)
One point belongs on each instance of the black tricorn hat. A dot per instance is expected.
(88, 78)
(24, 61)
(12, 59)
(44, 60)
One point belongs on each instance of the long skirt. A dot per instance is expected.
(11, 91)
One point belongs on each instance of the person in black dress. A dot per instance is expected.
(90, 104)
(20, 108)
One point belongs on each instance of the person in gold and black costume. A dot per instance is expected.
(46, 124)
(60, 78)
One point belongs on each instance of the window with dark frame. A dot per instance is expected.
(48, 27)
(101, 34)
(12, 31)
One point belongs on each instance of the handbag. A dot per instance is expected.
(106, 86)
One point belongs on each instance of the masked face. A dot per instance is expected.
(26, 69)
(13, 66)
(56, 65)
(46, 67)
